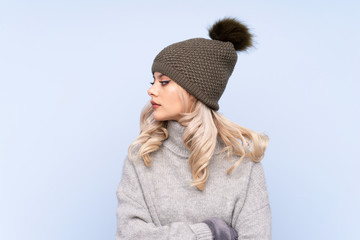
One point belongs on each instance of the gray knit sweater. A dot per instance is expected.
(158, 202)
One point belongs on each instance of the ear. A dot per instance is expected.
(192, 98)
(193, 102)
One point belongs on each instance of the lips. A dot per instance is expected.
(155, 104)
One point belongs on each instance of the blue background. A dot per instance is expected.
(73, 80)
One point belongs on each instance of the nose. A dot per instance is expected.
(153, 90)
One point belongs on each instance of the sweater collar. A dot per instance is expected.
(175, 143)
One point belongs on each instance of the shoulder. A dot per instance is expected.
(130, 177)
(131, 164)
(253, 170)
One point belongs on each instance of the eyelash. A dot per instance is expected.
(163, 83)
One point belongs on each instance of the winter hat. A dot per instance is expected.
(203, 66)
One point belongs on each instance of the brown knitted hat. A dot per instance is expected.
(203, 66)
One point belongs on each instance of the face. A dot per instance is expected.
(166, 98)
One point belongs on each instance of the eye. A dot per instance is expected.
(163, 83)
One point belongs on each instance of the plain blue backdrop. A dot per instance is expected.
(73, 80)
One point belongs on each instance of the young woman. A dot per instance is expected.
(192, 173)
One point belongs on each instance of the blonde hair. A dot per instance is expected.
(203, 126)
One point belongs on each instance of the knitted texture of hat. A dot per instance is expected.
(203, 66)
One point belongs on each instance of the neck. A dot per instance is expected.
(175, 142)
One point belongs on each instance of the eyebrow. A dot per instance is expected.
(159, 75)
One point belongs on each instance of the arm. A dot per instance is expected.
(254, 216)
(134, 220)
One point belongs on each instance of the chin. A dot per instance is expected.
(159, 117)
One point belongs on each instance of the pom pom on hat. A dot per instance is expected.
(231, 30)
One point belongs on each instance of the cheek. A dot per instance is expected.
(173, 100)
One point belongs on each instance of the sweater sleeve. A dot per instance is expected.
(134, 220)
(254, 219)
